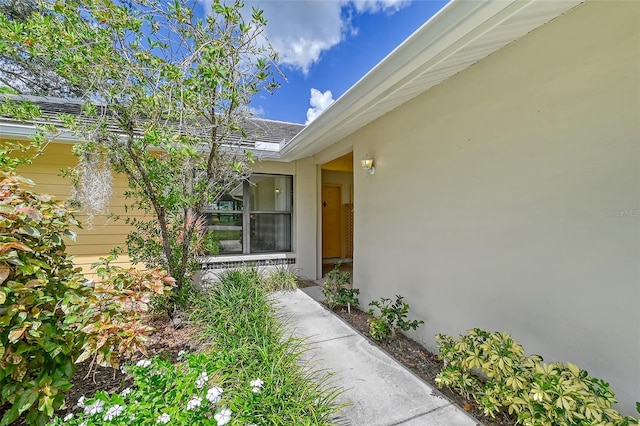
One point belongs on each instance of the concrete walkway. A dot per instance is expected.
(382, 391)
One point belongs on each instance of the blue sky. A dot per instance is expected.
(328, 45)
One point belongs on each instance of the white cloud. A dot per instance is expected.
(300, 31)
(375, 6)
(319, 101)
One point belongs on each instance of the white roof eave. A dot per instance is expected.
(460, 34)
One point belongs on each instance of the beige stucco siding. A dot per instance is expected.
(508, 197)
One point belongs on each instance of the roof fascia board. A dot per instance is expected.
(27, 131)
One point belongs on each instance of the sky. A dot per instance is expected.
(326, 46)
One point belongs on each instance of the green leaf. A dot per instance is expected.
(10, 416)
(71, 234)
(29, 230)
(26, 400)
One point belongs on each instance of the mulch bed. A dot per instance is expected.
(168, 339)
(420, 361)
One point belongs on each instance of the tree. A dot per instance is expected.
(167, 94)
(24, 73)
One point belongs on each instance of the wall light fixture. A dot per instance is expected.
(367, 165)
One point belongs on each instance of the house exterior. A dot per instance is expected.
(505, 137)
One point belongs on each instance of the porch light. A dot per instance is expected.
(367, 165)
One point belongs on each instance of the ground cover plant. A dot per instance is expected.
(237, 315)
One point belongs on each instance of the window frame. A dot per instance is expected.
(247, 213)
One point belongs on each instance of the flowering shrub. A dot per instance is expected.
(162, 393)
(493, 369)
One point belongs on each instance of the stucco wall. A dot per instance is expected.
(306, 218)
(508, 197)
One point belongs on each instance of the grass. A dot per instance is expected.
(240, 321)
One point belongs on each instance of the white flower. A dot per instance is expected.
(80, 402)
(144, 363)
(163, 419)
(113, 412)
(182, 354)
(95, 408)
(123, 369)
(214, 394)
(223, 416)
(257, 385)
(202, 380)
(194, 403)
(125, 391)
(68, 417)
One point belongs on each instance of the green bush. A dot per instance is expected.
(281, 279)
(41, 295)
(49, 319)
(335, 290)
(393, 317)
(493, 369)
(112, 316)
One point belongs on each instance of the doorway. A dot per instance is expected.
(337, 213)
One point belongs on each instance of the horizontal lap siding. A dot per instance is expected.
(96, 238)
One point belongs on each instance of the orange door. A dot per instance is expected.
(331, 223)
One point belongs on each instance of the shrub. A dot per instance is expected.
(392, 318)
(493, 369)
(41, 295)
(112, 316)
(192, 392)
(336, 292)
(49, 318)
(252, 374)
(281, 279)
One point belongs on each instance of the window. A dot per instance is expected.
(255, 217)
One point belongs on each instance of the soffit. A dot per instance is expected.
(461, 34)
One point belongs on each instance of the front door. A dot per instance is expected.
(331, 221)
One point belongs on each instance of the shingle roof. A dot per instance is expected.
(258, 131)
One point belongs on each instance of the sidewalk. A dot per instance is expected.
(382, 392)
